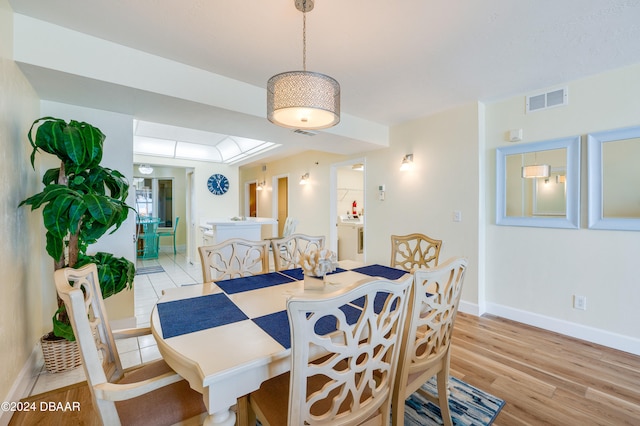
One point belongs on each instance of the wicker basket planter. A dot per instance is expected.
(60, 355)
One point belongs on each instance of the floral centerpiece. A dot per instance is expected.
(315, 265)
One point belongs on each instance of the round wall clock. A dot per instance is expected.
(218, 184)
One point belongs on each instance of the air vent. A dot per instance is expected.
(554, 98)
(305, 132)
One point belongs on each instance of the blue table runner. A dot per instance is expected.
(253, 282)
(381, 271)
(277, 324)
(198, 313)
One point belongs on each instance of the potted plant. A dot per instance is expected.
(81, 201)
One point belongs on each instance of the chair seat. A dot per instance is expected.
(178, 401)
(273, 400)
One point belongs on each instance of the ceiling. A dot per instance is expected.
(395, 60)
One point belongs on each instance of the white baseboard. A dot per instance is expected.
(579, 331)
(123, 323)
(469, 308)
(583, 332)
(25, 381)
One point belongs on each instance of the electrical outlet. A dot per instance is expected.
(580, 302)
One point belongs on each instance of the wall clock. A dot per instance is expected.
(218, 184)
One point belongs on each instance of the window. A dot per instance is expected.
(154, 198)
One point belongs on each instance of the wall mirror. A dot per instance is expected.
(614, 179)
(538, 184)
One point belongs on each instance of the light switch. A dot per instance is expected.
(457, 216)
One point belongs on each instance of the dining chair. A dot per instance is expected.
(148, 394)
(288, 249)
(171, 234)
(289, 226)
(414, 251)
(426, 341)
(344, 352)
(232, 258)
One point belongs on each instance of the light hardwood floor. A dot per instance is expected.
(545, 378)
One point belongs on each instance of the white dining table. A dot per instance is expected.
(226, 338)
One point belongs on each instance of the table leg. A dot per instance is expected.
(221, 418)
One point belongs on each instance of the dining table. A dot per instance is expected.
(227, 337)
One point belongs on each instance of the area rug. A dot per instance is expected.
(468, 405)
(149, 270)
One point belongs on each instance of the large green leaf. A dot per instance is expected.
(55, 246)
(93, 142)
(114, 273)
(62, 329)
(74, 148)
(100, 208)
(49, 193)
(51, 176)
(56, 216)
(48, 135)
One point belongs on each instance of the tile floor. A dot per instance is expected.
(147, 289)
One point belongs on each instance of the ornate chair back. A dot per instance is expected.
(234, 258)
(414, 251)
(344, 355)
(286, 250)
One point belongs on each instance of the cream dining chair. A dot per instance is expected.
(426, 342)
(287, 250)
(151, 394)
(234, 258)
(344, 352)
(414, 251)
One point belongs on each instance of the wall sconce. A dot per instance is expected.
(536, 171)
(561, 179)
(145, 169)
(304, 179)
(260, 186)
(407, 161)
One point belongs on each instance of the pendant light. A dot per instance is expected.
(303, 99)
(536, 170)
(145, 169)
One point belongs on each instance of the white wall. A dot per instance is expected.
(444, 178)
(22, 321)
(309, 204)
(532, 273)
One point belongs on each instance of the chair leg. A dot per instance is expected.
(397, 413)
(174, 244)
(443, 397)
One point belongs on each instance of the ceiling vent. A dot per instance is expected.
(305, 132)
(546, 100)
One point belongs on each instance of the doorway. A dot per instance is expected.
(280, 201)
(347, 230)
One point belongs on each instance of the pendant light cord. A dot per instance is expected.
(304, 36)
